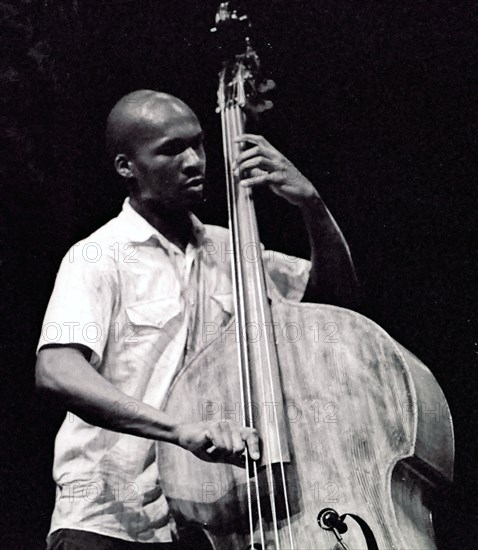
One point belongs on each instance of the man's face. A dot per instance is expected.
(168, 159)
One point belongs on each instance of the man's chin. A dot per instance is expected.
(191, 199)
(194, 197)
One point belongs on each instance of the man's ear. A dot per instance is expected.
(124, 166)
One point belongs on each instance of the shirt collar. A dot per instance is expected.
(139, 230)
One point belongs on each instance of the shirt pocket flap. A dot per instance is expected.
(225, 300)
(153, 313)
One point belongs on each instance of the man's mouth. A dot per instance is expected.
(196, 181)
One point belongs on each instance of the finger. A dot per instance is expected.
(260, 141)
(247, 154)
(208, 450)
(258, 150)
(213, 455)
(252, 441)
(258, 162)
(227, 445)
(238, 444)
(251, 138)
(256, 181)
(223, 438)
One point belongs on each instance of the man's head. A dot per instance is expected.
(157, 145)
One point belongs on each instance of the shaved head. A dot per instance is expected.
(156, 143)
(131, 118)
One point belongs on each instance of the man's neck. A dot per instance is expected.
(176, 226)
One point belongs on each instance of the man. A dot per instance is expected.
(126, 311)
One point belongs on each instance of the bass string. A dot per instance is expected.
(242, 321)
(247, 223)
(259, 306)
(242, 358)
(232, 125)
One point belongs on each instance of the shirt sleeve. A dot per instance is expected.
(81, 305)
(288, 273)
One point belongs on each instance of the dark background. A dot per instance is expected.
(373, 103)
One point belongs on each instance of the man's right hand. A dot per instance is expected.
(219, 441)
(65, 372)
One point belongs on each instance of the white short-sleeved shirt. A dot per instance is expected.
(138, 302)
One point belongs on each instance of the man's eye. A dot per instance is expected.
(177, 147)
(171, 149)
(198, 143)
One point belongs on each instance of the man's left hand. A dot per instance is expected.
(265, 165)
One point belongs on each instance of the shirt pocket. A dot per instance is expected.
(149, 316)
(222, 307)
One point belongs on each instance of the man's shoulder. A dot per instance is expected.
(216, 233)
(100, 247)
(112, 229)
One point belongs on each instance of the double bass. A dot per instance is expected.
(353, 451)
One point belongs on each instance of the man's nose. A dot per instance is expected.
(193, 157)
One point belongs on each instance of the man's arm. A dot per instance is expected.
(332, 277)
(64, 372)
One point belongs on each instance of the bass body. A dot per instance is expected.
(368, 426)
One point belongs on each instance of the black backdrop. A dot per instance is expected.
(373, 103)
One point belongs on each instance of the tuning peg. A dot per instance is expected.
(225, 14)
(266, 86)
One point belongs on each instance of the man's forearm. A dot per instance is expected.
(332, 278)
(65, 373)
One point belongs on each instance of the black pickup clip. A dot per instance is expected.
(330, 520)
